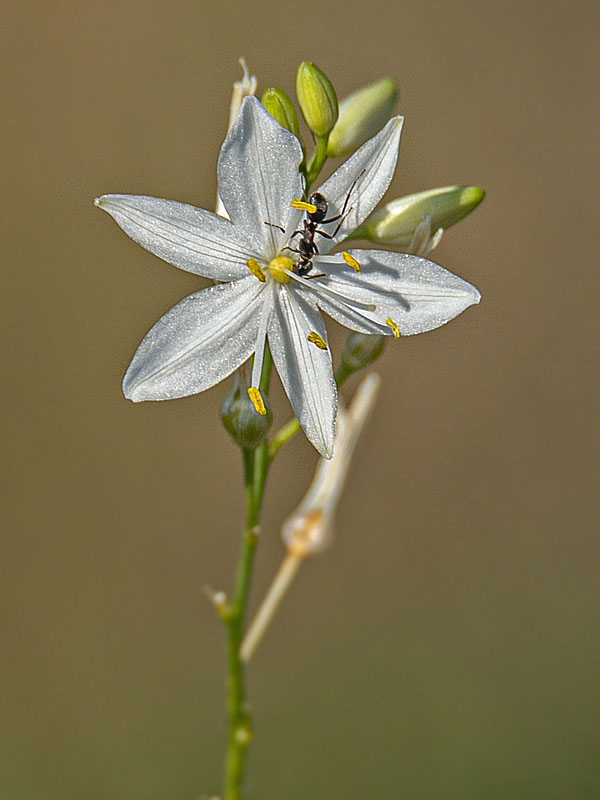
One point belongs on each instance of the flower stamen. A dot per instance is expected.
(257, 401)
(256, 269)
(301, 205)
(394, 326)
(351, 261)
(316, 339)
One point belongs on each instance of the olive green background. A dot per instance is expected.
(447, 647)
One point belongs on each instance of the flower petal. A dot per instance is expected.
(350, 317)
(197, 343)
(342, 309)
(190, 238)
(261, 336)
(377, 158)
(305, 369)
(414, 292)
(259, 177)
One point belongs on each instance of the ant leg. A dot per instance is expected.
(273, 225)
(339, 225)
(318, 275)
(356, 180)
(341, 218)
(291, 249)
(345, 206)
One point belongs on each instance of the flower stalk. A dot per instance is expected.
(256, 465)
(318, 158)
(271, 281)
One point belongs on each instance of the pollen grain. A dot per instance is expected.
(394, 326)
(256, 269)
(351, 261)
(257, 401)
(301, 205)
(316, 339)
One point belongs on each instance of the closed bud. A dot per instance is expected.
(360, 349)
(395, 224)
(244, 424)
(281, 108)
(361, 115)
(317, 99)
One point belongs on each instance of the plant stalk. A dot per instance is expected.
(256, 464)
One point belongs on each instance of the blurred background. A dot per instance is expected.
(447, 646)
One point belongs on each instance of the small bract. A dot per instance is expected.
(259, 296)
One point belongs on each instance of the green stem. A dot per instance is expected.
(256, 465)
(317, 160)
(283, 435)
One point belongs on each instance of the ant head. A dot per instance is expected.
(319, 201)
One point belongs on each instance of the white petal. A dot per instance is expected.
(414, 292)
(304, 369)
(190, 238)
(258, 176)
(259, 352)
(197, 343)
(377, 158)
(419, 244)
(346, 314)
(435, 240)
(342, 309)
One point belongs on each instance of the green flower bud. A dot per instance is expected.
(281, 108)
(359, 350)
(362, 114)
(317, 99)
(396, 223)
(245, 425)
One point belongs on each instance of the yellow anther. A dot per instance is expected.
(318, 340)
(278, 267)
(257, 401)
(302, 206)
(394, 326)
(351, 261)
(256, 269)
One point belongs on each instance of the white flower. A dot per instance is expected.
(260, 297)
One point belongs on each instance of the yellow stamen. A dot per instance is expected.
(351, 261)
(315, 338)
(257, 401)
(256, 269)
(394, 326)
(302, 206)
(278, 267)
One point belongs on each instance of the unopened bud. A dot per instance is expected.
(360, 349)
(281, 108)
(245, 425)
(395, 224)
(317, 99)
(361, 115)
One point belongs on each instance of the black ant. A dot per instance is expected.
(307, 247)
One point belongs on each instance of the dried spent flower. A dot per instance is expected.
(309, 529)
